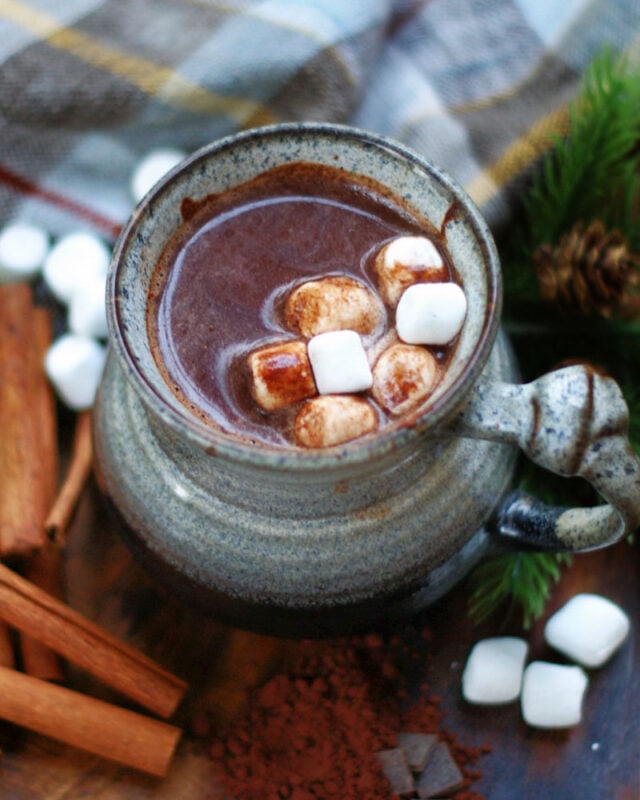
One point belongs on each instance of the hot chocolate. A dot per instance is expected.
(253, 274)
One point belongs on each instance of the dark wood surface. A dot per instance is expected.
(598, 760)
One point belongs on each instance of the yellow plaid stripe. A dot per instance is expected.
(158, 81)
(519, 156)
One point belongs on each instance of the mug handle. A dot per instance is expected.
(574, 422)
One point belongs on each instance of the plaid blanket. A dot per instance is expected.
(88, 87)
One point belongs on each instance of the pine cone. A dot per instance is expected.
(590, 270)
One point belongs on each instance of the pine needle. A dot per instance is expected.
(519, 581)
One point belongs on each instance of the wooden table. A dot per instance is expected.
(599, 760)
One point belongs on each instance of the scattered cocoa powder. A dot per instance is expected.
(312, 731)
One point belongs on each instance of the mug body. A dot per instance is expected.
(281, 539)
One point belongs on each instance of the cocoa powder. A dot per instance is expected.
(312, 731)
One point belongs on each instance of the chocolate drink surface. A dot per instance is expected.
(220, 289)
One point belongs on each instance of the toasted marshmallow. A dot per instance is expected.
(588, 629)
(23, 249)
(403, 377)
(333, 419)
(494, 669)
(76, 258)
(280, 374)
(552, 695)
(431, 313)
(153, 166)
(334, 303)
(405, 261)
(339, 363)
(87, 309)
(74, 366)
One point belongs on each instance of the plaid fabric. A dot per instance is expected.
(87, 87)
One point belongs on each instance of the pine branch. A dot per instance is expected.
(520, 581)
(593, 172)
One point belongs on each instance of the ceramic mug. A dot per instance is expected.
(311, 542)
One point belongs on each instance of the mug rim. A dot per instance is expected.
(391, 438)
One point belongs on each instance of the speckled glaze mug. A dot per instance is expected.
(315, 542)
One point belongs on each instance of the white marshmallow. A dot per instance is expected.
(280, 374)
(403, 377)
(552, 695)
(87, 309)
(407, 260)
(153, 166)
(334, 303)
(588, 629)
(333, 419)
(493, 672)
(23, 249)
(339, 363)
(431, 313)
(74, 259)
(74, 366)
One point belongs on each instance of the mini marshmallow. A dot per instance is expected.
(76, 258)
(407, 260)
(151, 168)
(23, 249)
(493, 672)
(333, 419)
(552, 695)
(281, 374)
(87, 309)
(431, 313)
(588, 629)
(339, 363)
(334, 303)
(403, 377)
(74, 366)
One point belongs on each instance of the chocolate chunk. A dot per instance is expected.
(417, 747)
(396, 770)
(441, 776)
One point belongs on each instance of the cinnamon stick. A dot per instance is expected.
(88, 723)
(7, 656)
(64, 504)
(23, 478)
(106, 657)
(44, 405)
(43, 568)
(39, 660)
